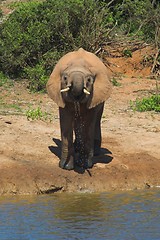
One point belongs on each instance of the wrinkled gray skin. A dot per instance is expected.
(75, 116)
(79, 85)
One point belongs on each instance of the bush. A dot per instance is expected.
(1, 14)
(39, 33)
(147, 104)
(3, 79)
(138, 17)
(37, 77)
(127, 53)
(36, 114)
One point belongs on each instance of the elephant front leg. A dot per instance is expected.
(89, 146)
(93, 134)
(98, 137)
(67, 149)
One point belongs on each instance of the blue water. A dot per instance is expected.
(119, 216)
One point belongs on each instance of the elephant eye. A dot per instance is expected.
(65, 78)
(90, 79)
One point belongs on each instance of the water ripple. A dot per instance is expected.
(118, 216)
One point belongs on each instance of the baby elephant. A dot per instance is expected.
(79, 85)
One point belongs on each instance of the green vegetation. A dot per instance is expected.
(115, 82)
(138, 17)
(37, 78)
(1, 14)
(151, 103)
(37, 114)
(10, 106)
(38, 33)
(5, 81)
(127, 53)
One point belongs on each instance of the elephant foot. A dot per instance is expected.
(84, 162)
(89, 163)
(68, 165)
(79, 160)
(97, 147)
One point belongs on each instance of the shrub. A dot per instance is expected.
(1, 14)
(37, 77)
(127, 53)
(3, 79)
(38, 33)
(147, 104)
(37, 114)
(34, 114)
(138, 17)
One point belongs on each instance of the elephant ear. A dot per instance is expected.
(54, 86)
(54, 83)
(101, 87)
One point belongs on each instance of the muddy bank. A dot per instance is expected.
(130, 159)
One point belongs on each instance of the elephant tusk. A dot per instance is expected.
(65, 89)
(86, 92)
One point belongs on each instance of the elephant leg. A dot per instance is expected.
(67, 149)
(89, 144)
(98, 136)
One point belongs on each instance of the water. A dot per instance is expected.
(118, 216)
(81, 158)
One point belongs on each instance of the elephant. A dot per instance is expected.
(79, 85)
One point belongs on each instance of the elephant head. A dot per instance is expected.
(79, 76)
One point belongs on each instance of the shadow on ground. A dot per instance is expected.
(104, 158)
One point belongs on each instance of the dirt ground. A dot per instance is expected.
(30, 150)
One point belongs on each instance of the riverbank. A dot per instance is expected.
(30, 149)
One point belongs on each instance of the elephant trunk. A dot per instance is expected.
(77, 85)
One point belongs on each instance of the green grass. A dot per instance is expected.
(115, 83)
(8, 105)
(5, 81)
(127, 53)
(14, 106)
(151, 103)
(37, 114)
